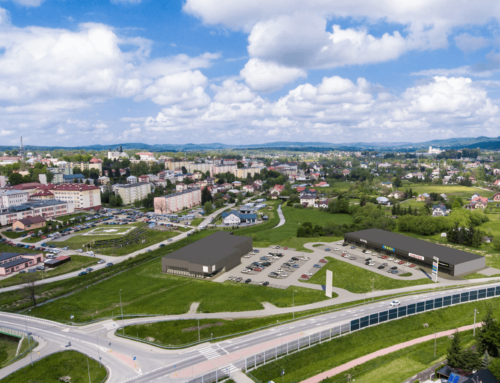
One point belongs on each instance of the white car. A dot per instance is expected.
(407, 264)
(245, 271)
(336, 249)
(304, 258)
(390, 259)
(371, 264)
(279, 269)
(90, 252)
(308, 273)
(284, 274)
(395, 303)
(368, 252)
(396, 260)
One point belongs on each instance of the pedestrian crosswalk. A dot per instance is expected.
(209, 353)
(229, 369)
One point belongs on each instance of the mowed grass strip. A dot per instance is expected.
(145, 290)
(449, 190)
(77, 262)
(8, 348)
(406, 362)
(55, 366)
(358, 280)
(327, 355)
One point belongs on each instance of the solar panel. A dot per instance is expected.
(453, 378)
(457, 378)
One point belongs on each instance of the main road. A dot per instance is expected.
(130, 361)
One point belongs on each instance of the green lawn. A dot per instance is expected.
(152, 236)
(55, 366)
(145, 290)
(66, 218)
(312, 361)
(265, 234)
(358, 280)
(196, 221)
(407, 362)
(8, 348)
(77, 262)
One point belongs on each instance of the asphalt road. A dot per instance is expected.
(155, 364)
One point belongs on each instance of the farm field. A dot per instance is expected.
(450, 190)
(55, 366)
(77, 262)
(358, 280)
(322, 357)
(145, 290)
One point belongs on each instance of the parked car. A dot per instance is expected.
(412, 265)
(353, 247)
(109, 264)
(248, 280)
(394, 267)
(317, 266)
(162, 245)
(89, 269)
(82, 273)
(328, 249)
(395, 303)
(323, 260)
(381, 267)
(266, 283)
(101, 261)
(303, 276)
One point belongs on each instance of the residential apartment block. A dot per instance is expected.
(218, 169)
(176, 202)
(132, 192)
(82, 196)
(41, 208)
(177, 165)
(245, 172)
(10, 198)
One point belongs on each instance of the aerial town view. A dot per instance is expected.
(201, 191)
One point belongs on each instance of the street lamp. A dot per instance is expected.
(474, 331)
(29, 343)
(293, 303)
(121, 308)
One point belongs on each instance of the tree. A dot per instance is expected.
(118, 200)
(184, 170)
(30, 287)
(455, 351)
(206, 196)
(495, 367)
(397, 182)
(15, 179)
(239, 165)
(456, 205)
(208, 207)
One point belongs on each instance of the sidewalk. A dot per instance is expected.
(356, 362)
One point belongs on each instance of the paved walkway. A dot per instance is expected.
(356, 362)
(282, 218)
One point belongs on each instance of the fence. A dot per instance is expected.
(274, 353)
(12, 331)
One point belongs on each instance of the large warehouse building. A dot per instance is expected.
(219, 252)
(451, 261)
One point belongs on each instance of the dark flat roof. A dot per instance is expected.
(209, 250)
(416, 246)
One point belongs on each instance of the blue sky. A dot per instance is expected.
(251, 71)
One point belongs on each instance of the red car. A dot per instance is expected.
(385, 257)
(32, 247)
(412, 265)
(401, 262)
(257, 269)
(285, 248)
(303, 276)
(323, 261)
(43, 237)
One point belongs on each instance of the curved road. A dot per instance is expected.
(152, 363)
(282, 218)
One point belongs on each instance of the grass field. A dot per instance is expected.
(286, 235)
(55, 366)
(67, 218)
(8, 348)
(145, 290)
(152, 237)
(196, 221)
(358, 280)
(322, 357)
(407, 362)
(77, 262)
(449, 190)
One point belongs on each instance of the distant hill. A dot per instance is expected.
(451, 143)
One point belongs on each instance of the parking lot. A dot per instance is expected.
(389, 266)
(274, 267)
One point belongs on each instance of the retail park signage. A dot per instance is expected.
(416, 256)
(388, 248)
(363, 240)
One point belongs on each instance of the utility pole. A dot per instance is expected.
(199, 338)
(29, 342)
(373, 287)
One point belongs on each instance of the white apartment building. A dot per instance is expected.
(146, 156)
(42, 208)
(201, 167)
(10, 198)
(133, 192)
(176, 202)
(218, 169)
(82, 196)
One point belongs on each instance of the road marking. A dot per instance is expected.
(209, 353)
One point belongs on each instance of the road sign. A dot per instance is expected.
(435, 266)
(135, 358)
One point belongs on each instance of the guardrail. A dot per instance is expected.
(358, 324)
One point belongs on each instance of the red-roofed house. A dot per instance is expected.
(278, 189)
(143, 178)
(322, 184)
